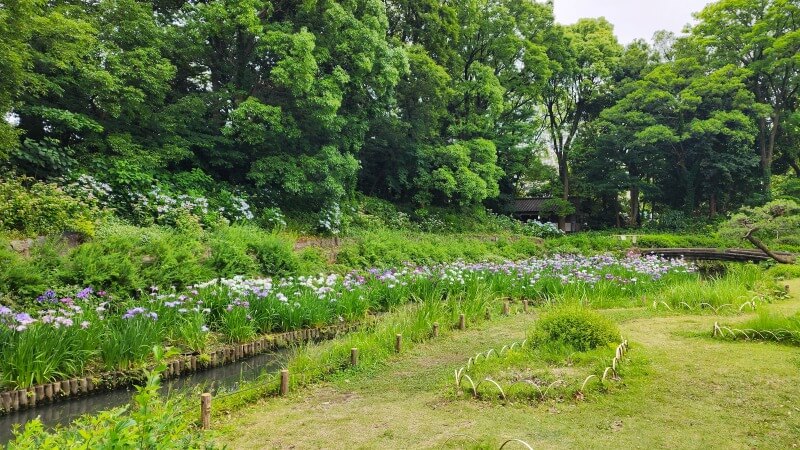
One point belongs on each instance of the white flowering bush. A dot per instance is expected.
(89, 189)
(273, 219)
(331, 220)
(429, 222)
(541, 229)
(160, 204)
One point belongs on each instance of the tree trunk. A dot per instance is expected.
(634, 219)
(564, 173)
(767, 137)
(757, 242)
(712, 209)
(795, 166)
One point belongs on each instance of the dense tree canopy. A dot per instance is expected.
(451, 103)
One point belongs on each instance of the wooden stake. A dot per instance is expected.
(353, 356)
(6, 401)
(506, 308)
(284, 382)
(48, 392)
(398, 343)
(14, 400)
(462, 322)
(40, 393)
(31, 394)
(73, 386)
(205, 410)
(525, 306)
(436, 329)
(23, 398)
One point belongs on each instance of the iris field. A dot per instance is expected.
(91, 331)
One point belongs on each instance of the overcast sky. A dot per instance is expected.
(632, 18)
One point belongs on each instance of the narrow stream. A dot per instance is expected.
(228, 377)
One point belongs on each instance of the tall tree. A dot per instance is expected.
(684, 135)
(583, 57)
(16, 18)
(762, 36)
(491, 55)
(291, 88)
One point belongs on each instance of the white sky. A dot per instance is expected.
(631, 18)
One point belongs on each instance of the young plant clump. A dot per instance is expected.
(577, 327)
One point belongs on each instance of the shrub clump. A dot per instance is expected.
(577, 327)
(30, 208)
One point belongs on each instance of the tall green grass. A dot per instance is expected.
(44, 353)
(744, 286)
(767, 326)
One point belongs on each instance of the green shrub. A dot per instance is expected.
(578, 327)
(784, 271)
(123, 259)
(385, 248)
(249, 250)
(30, 208)
(17, 274)
(772, 222)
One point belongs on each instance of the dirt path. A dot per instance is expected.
(695, 392)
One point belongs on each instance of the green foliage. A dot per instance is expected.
(393, 248)
(44, 353)
(756, 35)
(126, 259)
(574, 326)
(776, 222)
(464, 174)
(786, 187)
(676, 221)
(247, 250)
(30, 208)
(784, 271)
(742, 287)
(559, 207)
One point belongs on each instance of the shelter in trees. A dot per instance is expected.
(535, 208)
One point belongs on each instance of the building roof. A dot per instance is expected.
(529, 205)
(534, 204)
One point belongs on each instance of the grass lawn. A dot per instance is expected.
(688, 391)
